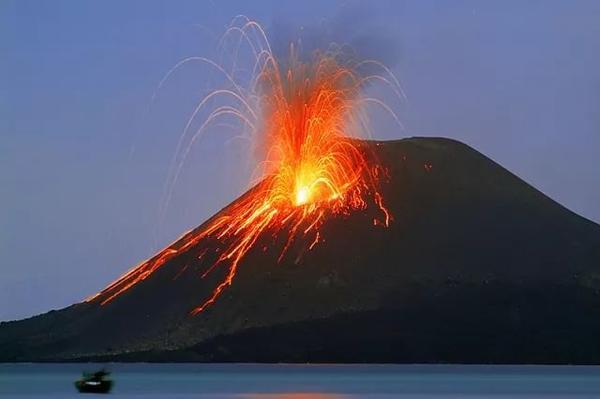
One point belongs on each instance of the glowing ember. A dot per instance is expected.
(312, 168)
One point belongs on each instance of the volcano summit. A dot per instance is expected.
(476, 266)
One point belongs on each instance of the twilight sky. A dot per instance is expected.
(84, 153)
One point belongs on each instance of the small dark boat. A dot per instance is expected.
(94, 382)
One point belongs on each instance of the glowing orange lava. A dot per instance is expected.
(312, 167)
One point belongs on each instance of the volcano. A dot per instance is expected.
(476, 266)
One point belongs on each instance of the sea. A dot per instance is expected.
(293, 381)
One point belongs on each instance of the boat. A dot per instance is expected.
(97, 382)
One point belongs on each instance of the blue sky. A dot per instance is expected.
(84, 154)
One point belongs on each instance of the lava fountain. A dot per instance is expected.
(307, 117)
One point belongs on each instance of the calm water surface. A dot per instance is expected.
(253, 381)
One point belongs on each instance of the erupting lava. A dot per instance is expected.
(306, 114)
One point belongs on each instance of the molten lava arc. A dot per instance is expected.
(307, 115)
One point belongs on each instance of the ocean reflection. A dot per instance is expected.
(291, 395)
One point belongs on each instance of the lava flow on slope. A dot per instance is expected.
(308, 116)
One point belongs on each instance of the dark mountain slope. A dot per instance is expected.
(477, 267)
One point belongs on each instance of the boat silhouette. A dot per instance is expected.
(97, 382)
